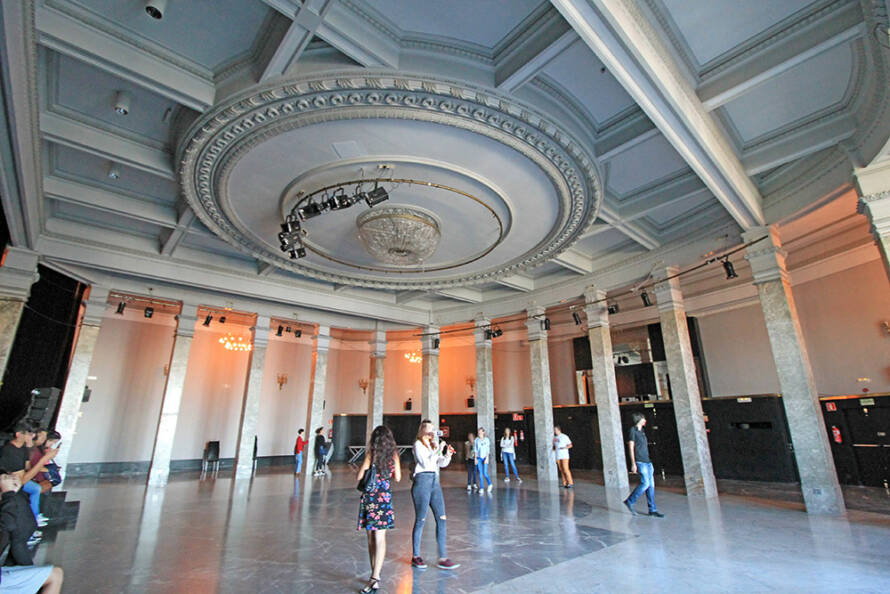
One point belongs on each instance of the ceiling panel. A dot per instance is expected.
(91, 169)
(803, 90)
(200, 30)
(600, 242)
(716, 26)
(661, 216)
(91, 92)
(579, 71)
(211, 243)
(483, 22)
(643, 164)
(104, 219)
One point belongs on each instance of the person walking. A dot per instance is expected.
(320, 451)
(561, 445)
(470, 460)
(638, 446)
(429, 456)
(508, 454)
(375, 513)
(298, 451)
(482, 445)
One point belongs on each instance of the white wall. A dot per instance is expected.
(283, 410)
(511, 365)
(562, 370)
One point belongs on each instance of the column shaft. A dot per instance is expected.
(429, 386)
(10, 316)
(542, 397)
(605, 391)
(250, 407)
(485, 392)
(315, 412)
(172, 400)
(18, 271)
(818, 479)
(698, 473)
(376, 383)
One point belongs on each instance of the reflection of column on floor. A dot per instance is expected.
(232, 550)
(818, 479)
(250, 407)
(605, 390)
(147, 538)
(72, 396)
(698, 473)
(315, 412)
(375, 385)
(485, 391)
(542, 398)
(166, 430)
(18, 271)
(429, 383)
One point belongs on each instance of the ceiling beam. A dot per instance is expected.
(263, 268)
(406, 296)
(518, 282)
(596, 229)
(464, 294)
(632, 50)
(574, 261)
(520, 62)
(668, 193)
(172, 241)
(805, 141)
(633, 230)
(65, 131)
(306, 20)
(829, 30)
(352, 35)
(69, 36)
(627, 138)
(91, 196)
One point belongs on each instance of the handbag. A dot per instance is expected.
(368, 480)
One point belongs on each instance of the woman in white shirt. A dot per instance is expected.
(508, 454)
(561, 445)
(483, 453)
(429, 455)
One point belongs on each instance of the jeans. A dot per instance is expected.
(299, 459)
(471, 472)
(426, 493)
(482, 472)
(647, 484)
(509, 462)
(33, 491)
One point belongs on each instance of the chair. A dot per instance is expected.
(254, 454)
(210, 459)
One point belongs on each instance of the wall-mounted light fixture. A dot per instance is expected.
(282, 380)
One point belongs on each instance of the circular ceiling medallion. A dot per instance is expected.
(535, 189)
(399, 235)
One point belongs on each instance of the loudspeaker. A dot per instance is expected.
(471, 402)
(408, 404)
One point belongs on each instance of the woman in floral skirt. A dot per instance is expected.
(375, 515)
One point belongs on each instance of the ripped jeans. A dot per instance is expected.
(427, 493)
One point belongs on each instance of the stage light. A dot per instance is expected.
(208, 319)
(577, 317)
(435, 343)
(222, 319)
(298, 333)
(312, 209)
(120, 308)
(729, 268)
(645, 297)
(376, 196)
(149, 311)
(280, 330)
(122, 100)
(613, 309)
(496, 333)
(488, 334)
(113, 171)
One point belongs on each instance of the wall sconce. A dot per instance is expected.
(886, 326)
(167, 369)
(363, 384)
(471, 381)
(282, 379)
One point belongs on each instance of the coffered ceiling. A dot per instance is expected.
(596, 136)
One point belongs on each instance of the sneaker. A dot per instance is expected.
(490, 487)
(418, 563)
(42, 520)
(469, 488)
(447, 564)
(507, 480)
(656, 514)
(518, 480)
(627, 504)
(570, 486)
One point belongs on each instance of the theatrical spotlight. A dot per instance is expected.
(120, 308)
(613, 309)
(376, 196)
(313, 209)
(149, 311)
(222, 319)
(435, 343)
(291, 238)
(577, 317)
(645, 297)
(298, 333)
(208, 319)
(545, 324)
(496, 333)
(729, 268)
(280, 330)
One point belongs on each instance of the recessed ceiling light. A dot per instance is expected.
(122, 101)
(155, 8)
(113, 171)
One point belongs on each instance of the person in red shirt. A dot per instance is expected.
(298, 451)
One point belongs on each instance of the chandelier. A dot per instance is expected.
(413, 357)
(399, 235)
(231, 343)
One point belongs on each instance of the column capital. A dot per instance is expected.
(261, 330)
(766, 258)
(667, 288)
(18, 271)
(429, 340)
(873, 179)
(595, 307)
(481, 326)
(322, 338)
(95, 305)
(187, 319)
(877, 208)
(534, 323)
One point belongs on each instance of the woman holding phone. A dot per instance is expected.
(430, 455)
(483, 452)
(508, 454)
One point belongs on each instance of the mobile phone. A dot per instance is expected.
(440, 433)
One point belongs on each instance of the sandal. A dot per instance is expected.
(372, 586)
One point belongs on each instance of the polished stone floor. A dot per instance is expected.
(281, 534)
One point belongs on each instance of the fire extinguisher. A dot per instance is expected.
(836, 434)
(521, 435)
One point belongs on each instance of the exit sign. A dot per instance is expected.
(830, 406)
(518, 417)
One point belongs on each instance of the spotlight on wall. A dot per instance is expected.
(122, 102)
(729, 269)
(280, 331)
(113, 171)
(149, 311)
(435, 343)
(488, 334)
(497, 333)
(298, 333)
(545, 324)
(222, 319)
(120, 308)
(613, 309)
(155, 8)
(208, 319)
(645, 297)
(313, 209)
(376, 196)
(577, 317)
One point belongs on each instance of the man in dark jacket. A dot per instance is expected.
(320, 451)
(16, 518)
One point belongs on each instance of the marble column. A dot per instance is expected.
(485, 391)
(18, 271)
(170, 404)
(250, 406)
(877, 208)
(72, 395)
(605, 390)
(429, 383)
(375, 383)
(542, 398)
(698, 473)
(315, 412)
(818, 479)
